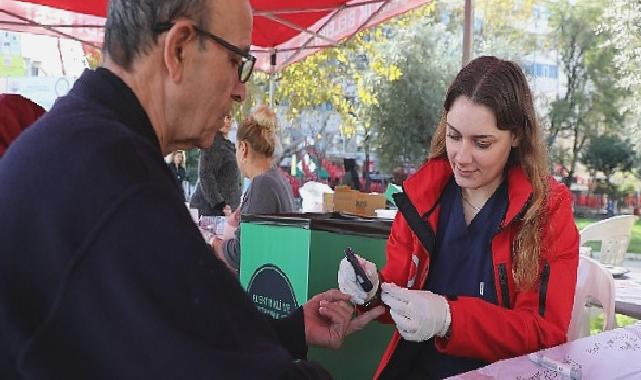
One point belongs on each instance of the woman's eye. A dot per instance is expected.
(483, 144)
(453, 137)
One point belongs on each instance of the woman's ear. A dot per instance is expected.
(244, 149)
(515, 141)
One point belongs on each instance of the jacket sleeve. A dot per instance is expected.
(208, 165)
(291, 333)
(489, 332)
(398, 260)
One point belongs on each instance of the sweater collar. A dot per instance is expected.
(106, 88)
(437, 173)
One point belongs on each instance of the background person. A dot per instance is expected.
(497, 277)
(269, 191)
(177, 168)
(219, 182)
(108, 277)
(350, 178)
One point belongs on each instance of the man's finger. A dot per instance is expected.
(362, 320)
(335, 295)
(336, 313)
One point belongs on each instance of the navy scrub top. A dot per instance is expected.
(462, 266)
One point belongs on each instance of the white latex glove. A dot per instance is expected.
(419, 314)
(347, 280)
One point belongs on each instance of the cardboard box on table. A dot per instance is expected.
(352, 201)
(287, 259)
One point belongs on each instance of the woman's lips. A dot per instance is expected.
(465, 173)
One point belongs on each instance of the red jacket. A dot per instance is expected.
(16, 114)
(524, 321)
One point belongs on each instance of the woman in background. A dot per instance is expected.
(177, 167)
(269, 191)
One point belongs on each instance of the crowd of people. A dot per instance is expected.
(103, 273)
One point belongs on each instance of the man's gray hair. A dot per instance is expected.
(129, 29)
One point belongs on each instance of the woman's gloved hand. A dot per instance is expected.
(347, 280)
(419, 314)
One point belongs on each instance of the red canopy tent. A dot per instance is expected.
(284, 30)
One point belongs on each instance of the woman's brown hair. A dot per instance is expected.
(501, 86)
(259, 131)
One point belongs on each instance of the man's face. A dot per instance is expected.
(210, 81)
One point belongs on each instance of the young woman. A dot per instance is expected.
(269, 191)
(485, 267)
(177, 167)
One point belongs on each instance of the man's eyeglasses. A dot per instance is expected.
(247, 60)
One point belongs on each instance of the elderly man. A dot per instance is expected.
(102, 273)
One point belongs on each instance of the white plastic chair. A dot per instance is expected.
(594, 285)
(614, 235)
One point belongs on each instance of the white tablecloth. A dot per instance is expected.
(614, 354)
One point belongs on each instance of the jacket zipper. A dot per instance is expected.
(505, 295)
(543, 291)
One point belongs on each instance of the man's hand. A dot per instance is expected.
(217, 248)
(328, 319)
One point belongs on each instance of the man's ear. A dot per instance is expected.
(175, 45)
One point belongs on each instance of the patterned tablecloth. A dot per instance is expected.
(614, 354)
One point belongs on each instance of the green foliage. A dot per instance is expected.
(608, 154)
(622, 23)
(591, 105)
(596, 323)
(410, 108)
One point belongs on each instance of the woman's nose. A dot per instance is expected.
(464, 153)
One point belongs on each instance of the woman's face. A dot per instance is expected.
(178, 158)
(476, 148)
(226, 125)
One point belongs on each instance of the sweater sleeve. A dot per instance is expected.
(209, 164)
(145, 272)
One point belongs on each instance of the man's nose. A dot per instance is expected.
(239, 91)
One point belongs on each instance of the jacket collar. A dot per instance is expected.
(437, 172)
(106, 88)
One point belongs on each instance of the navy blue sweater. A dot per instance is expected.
(103, 275)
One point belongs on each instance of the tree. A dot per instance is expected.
(591, 104)
(410, 107)
(622, 23)
(608, 154)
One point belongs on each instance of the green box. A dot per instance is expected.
(286, 260)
